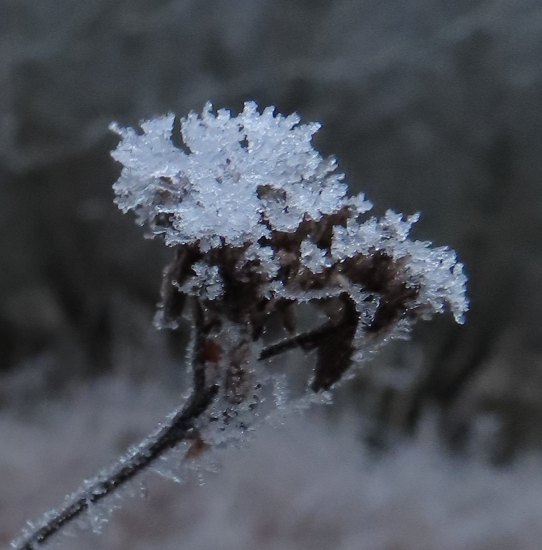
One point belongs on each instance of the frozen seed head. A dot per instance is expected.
(259, 218)
(238, 178)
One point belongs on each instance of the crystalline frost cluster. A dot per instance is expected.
(240, 177)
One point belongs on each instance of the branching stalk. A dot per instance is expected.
(174, 430)
(177, 427)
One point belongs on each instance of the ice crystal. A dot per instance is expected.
(206, 282)
(314, 258)
(240, 178)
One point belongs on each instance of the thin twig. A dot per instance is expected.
(177, 428)
(167, 436)
(306, 340)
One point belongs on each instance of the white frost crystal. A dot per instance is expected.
(237, 173)
(314, 258)
(205, 283)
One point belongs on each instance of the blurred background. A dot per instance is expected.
(429, 105)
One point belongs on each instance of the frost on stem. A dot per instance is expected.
(259, 223)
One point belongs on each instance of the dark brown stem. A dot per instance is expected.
(306, 340)
(178, 427)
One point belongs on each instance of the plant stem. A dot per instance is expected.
(306, 340)
(175, 429)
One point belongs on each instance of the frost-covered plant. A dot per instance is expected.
(260, 223)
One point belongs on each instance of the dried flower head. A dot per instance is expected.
(261, 222)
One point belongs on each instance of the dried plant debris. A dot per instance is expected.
(259, 219)
(260, 224)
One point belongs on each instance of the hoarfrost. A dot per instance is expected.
(238, 171)
(314, 258)
(434, 271)
(206, 282)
